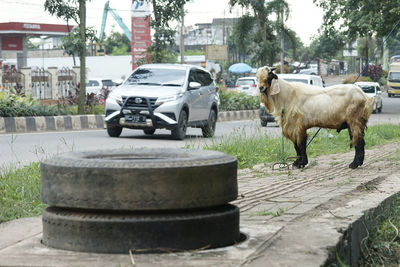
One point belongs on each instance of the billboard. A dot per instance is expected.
(141, 37)
(217, 52)
(11, 43)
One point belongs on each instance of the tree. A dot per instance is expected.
(164, 11)
(360, 17)
(327, 44)
(266, 46)
(117, 44)
(76, 10)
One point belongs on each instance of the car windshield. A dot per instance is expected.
(297, 80)
(92, 83)
(107, 82)
(153, 76)
(394, 76)
(245, 82)
(369, 89)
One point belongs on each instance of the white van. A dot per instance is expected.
(302, 78)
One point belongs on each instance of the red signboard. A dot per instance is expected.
(141, 39)
(9, 43)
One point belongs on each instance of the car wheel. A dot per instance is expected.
(209, 129)
(380, 108)
(108, 232)
(149, 179)
(179, 132)
(389, 95)
(149, 131)
(114, 131)
(264, 123)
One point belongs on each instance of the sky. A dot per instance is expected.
(305, 17)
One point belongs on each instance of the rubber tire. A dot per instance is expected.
(209, 129)
(389, 95)
(179, 133)
(380, 109)
(149, 131)
(264, 123)
(114, 131)
(137, 180)
(119, 232)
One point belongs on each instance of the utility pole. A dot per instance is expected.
(282, 44)
(181, 43)
(223, 30)
(82, 29)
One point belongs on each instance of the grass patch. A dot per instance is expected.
(382, 247)
(20, 192)
(260, 148)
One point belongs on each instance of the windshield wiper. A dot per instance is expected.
(149, 84)
(171, 84)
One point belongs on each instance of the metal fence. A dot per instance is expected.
(66, 82)
(13, 82)
(41, 83)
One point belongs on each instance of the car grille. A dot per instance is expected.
(139, 103)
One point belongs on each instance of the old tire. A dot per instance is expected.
(114, 131)
(179, 133)
(209, 129)
(264, 123)
(146, 179)
(149, 232)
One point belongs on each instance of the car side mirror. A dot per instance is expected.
(194, 85)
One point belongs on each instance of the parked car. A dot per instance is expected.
(265, 116)
(247, 85)
(169, 96)
(372, 89)
(94, 85)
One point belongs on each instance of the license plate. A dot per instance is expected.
(245, 88)
(135, 118)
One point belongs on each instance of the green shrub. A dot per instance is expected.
(231, 100)
(18, 105)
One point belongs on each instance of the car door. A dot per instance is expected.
(194, 97)
(206, 93)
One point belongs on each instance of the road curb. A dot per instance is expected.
(82, 122)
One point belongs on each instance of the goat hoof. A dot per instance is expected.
(353, 165)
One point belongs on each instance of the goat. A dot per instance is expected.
(338, 107)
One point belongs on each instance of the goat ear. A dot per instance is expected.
(273, 68)
(275, 89)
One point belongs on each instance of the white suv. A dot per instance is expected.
(169, 96)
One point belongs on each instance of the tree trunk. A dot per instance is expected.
(82, 28)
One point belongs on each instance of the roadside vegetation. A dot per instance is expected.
(382, 247)
(20, 192)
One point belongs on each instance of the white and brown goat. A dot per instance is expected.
(338, 107)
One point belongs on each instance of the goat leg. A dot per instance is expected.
(296, 162)
(302, 159)
(359, 155)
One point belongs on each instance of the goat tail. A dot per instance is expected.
(369, 107)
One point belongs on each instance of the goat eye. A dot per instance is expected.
(262, 88)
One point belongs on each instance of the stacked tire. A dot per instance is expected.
(147, 200)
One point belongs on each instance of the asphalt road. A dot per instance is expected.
(29, 147)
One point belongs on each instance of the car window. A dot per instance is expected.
(369, 89)
(92, 83)
(394, 76)
(246, 82)
(153, 76)
(107, 82)
(203, 78)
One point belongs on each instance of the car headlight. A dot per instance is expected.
(116, 98)
(163, 99)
